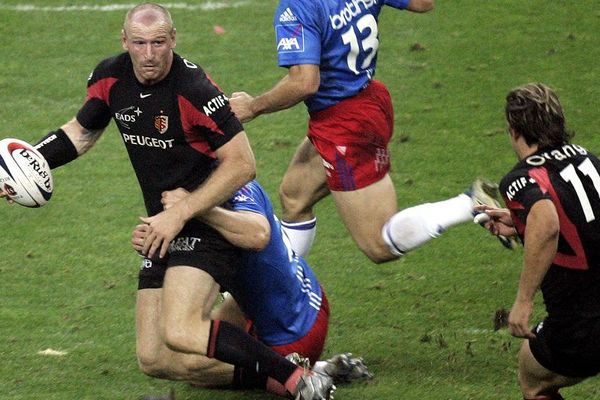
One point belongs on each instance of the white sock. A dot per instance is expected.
(414, 226)
(301, 235)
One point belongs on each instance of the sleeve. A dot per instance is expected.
(249, 198)
(521, 191)
(206, 115)
(297, 33)
(95, 112)
(400, 4)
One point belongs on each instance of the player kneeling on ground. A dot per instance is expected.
(277, 293)
(552, 198)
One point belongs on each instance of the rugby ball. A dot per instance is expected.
(25, 176)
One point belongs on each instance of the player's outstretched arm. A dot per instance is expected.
(301, 82)
(67, 143)
(420, 6)
(83, 139)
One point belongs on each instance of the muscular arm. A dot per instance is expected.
(541, 241)
(420, 6)
(236, 167)
(244, 229)
(82, 138)
(301, 82)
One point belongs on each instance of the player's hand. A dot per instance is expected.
(5, 195)
(163, 227)
(172, 196)
(500, 221)
(518, 319)
(240, 103)
(138, 237)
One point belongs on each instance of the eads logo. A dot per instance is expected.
(127, 116)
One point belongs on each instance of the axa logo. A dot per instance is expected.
(288, 44)
(127, 116)
(290, 37)
(287, 16)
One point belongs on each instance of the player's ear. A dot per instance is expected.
(173, 38)
(124, 39)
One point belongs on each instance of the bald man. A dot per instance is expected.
(179, 131)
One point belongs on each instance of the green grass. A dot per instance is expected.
(423, 324)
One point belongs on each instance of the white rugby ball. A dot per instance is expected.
(24, 173)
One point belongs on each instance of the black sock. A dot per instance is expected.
(233, 345)
(244, 378)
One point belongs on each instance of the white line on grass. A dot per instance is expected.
(206, 6)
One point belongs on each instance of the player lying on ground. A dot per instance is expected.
(278, 293)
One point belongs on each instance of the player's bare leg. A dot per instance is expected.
(364, 212)
(384, 234)
(538, 382)
(157, 360)
(189, 295)
(303, 185)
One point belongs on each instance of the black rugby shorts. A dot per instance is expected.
(198, 246)
(568, 346)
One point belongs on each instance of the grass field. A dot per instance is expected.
(423, 324)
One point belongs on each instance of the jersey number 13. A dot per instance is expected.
(367, 46)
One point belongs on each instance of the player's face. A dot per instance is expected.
(151, 49)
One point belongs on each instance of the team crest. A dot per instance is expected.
(161, 123)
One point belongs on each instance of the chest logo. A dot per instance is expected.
(144, 95)
(127, 116)
(161, 123)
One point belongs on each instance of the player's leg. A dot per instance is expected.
(157, 360)
(384, 234)
(189, 295)
(230, 311)
(537, 382)
(302, 186)
(364, 212)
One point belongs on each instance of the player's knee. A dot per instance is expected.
(150, 364)
(293, 206)
(177, 340)
(378, 253)
(529, 389)
(187, 338)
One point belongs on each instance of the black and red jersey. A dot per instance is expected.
(569, 176)
(170, 129)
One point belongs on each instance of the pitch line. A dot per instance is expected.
(206, 6)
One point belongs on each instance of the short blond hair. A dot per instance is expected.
(162, 12)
